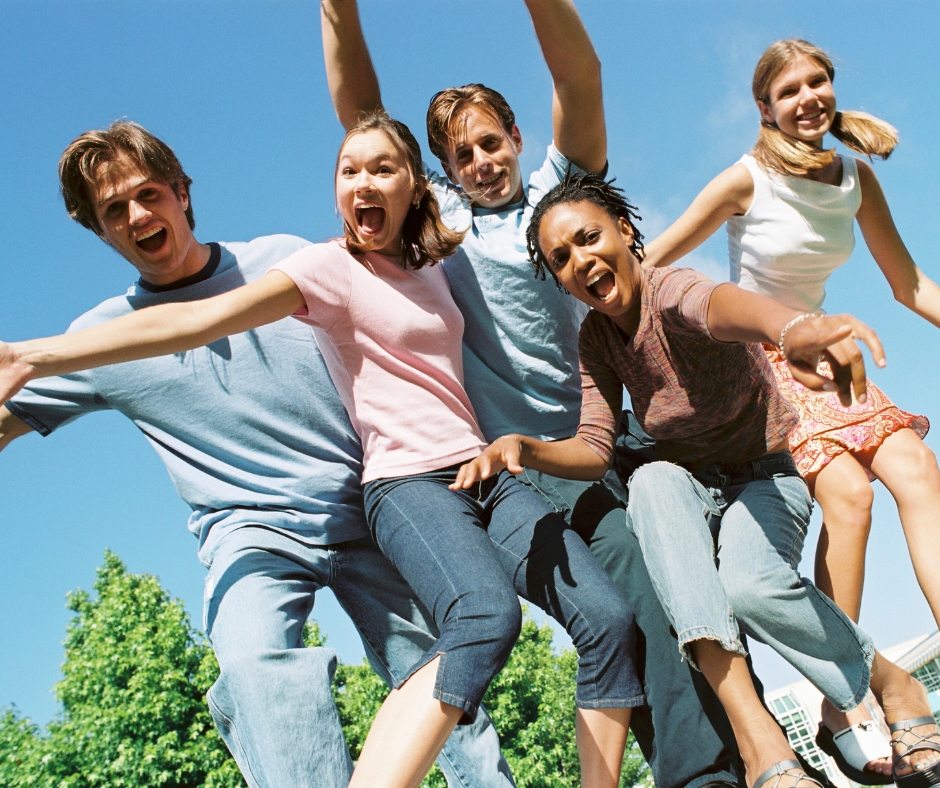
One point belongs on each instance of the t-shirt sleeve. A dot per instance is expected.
(601, 395)
(321, 273)
(48, 403)
(682, 297)
(550, 174)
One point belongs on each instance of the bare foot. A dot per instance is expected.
(836, 721)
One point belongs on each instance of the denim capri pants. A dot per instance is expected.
(468, 554)
(722, 544)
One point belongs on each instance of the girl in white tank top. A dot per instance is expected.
(790, 208)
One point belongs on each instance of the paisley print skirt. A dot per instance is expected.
(827, 428)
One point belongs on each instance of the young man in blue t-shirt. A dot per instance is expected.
(520, 339)
(257, 442)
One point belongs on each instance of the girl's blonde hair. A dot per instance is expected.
(778, 152)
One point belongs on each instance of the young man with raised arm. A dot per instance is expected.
(520, 339)
(257, 442)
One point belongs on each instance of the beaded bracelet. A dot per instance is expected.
(788, 326)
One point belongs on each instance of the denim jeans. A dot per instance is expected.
(272, 701)
(468, 554)
(722, 545)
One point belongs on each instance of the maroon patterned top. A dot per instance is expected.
(704, 401)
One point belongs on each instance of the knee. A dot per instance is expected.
(649, 479)
(752, 594)
(848, 502)
(917, 465)
(499, 615)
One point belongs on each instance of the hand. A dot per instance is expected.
(833, 338)
(502, 454)
(14, 373)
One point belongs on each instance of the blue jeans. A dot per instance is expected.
(468, 554)
(722, 545)
(272, 701)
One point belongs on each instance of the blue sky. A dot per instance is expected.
(237, 89)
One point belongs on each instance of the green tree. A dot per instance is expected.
(531, 702)
(133, 698)
(134, 714)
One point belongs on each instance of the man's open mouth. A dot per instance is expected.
(152, 240)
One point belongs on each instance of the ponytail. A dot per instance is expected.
(780, 153)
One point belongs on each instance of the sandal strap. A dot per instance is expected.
(906, 725)
(921, 743)
(782, 768)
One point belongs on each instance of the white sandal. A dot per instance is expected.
(854, 747)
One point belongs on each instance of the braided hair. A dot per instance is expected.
(581, 187)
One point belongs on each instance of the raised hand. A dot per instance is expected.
(832, 338)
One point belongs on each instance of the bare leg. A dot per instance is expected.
(909, 471)
(845, 496)
(761, 742)
(408, 733)
(602, 737)
(903, 697)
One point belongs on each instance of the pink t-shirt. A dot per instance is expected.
(391, 339)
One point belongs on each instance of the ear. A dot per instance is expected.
(766, 112)
(626, 230)
(516, 136)
(182, 195)
(448, 171)
(420, 188)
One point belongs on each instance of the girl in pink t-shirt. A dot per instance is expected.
(391, 336)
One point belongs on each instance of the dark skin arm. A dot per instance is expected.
(734, 315)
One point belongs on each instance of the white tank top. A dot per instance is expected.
(795, 234)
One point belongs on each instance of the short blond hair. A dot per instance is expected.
(448, 105)
(778, 152)
(85, 162)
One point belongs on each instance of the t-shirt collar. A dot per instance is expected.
(215, 256)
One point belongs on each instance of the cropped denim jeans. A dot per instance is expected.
(272, 701)
(722, 545)
(468, 554)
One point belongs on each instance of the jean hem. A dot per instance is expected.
(706, 633)
(869, 653)
(616, 703)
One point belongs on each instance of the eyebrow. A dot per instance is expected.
(130, 188)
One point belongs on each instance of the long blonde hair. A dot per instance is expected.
(786, 155)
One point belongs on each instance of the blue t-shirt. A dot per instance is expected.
(520, 347)
(249, 427)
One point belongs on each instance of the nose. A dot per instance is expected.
(581, 259)
(363, 182)
(136, 213)
(481, 159)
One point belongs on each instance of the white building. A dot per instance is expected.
(797, 706)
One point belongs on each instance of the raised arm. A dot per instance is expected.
(11, 427)
(737, 315)
(909, 284)
(155, 331)
(727, 195)
(354, 86)
(578, 124)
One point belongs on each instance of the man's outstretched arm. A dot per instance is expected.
(354, 86)
(578, 124)
(11, 427)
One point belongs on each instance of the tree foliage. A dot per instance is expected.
(134, 714)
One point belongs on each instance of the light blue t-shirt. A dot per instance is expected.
(521, 335)
(249, 427)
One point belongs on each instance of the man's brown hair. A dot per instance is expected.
(98, 155)
(448, 105)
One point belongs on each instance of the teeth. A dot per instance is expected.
(594, 278)
(490, 181)
(148, 234)
(365, 205)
